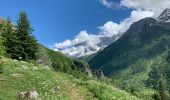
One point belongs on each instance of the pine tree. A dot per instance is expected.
(27, 41)
(161, 88)
(11, 42)
(162, 92)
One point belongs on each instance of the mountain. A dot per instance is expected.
(134, 57)
(84, 49)
(59, 78)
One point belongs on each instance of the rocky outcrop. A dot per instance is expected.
(164, 16)
(56, 89)
(29, 95)
(94, 73)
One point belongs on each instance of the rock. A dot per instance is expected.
(29, 95)
(95, 73)
(46, 67)
(89, 72)
(24, 67)
(34, 68)
(16, 75)
(56, 89)
(74, 85)
(2, 79)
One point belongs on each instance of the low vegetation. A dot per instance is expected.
(19, 76)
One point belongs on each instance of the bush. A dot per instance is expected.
(2, 48)
(80, 75)
(1, 69)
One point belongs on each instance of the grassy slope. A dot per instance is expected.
(22, 76)
(132, 58)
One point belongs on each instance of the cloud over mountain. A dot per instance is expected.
(109, 29)
(140, 9)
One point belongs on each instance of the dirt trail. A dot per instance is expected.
(74, 91)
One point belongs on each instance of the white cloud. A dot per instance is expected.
(110, 4)
(108, 29)
(63, 44)
(155, 6)
(83, 36)
(140, 9)
(111, 28)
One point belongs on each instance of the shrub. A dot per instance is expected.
(1, 69)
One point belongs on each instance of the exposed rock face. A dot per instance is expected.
(43, 57)
(95, 73)
(89, 72)
(164, 16)
(29, 95)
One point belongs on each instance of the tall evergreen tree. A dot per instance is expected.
(27, 41)
(162, 91)
(11, 42)
(161, 88)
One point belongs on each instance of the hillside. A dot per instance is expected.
(30, 71)
(134, 58)
(19, 76)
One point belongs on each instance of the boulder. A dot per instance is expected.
(2, 79)
(29, 95)
(56, 89)
(16, 75)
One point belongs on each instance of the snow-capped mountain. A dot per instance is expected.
(84, 48)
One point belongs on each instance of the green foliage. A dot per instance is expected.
(11, 40)
(29, 46)
(71, 88)
(2, 48)
(1, 65)
(30, 77)
(103, 90)
(156, 96)
(43, 57)
(162, 91)
(18, 42)
(2, 39)
(134, 57)
(65, 64)
(80, 65)
(59, 61)
(80, 75)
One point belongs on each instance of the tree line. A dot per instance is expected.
(18, 41)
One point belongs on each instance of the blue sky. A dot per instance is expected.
(54, 21)
(57, 20)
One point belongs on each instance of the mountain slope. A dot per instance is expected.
(144, 46)
(20, 76)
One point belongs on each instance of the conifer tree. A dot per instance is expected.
(162, 91)
(27, 41)
(161, 88)
(11, 42)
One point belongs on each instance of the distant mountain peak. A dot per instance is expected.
(84, 49)
(164, 16)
